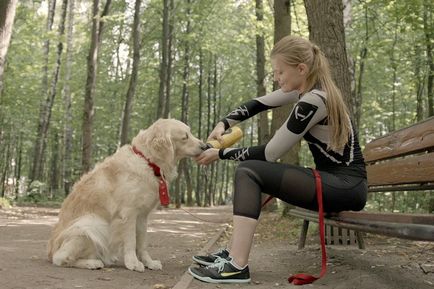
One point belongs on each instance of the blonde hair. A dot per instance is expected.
(295, 50)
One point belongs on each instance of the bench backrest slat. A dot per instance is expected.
(409, 170)
(413, 139)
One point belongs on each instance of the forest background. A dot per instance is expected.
(81, 78)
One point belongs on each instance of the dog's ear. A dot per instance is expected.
(160, 144)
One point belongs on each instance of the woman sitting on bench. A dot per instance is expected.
(321, 117)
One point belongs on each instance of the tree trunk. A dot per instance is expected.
(429, 36)
(326, 29)
(38, 149)
(282, 28)
(49, 26)
(188, 182)
(358, 96)
(214, 166)
(169, 60)
(67, 103)
(54, 175)
(263, 126)
(209, 169)
(394, 65)
(5, 172)
(135, 35)
(46, 109)
(185, 99)
(178, 185)
(162, 96)
(92, 62)
(19, 157)
(419, 80)
(7, 15)
(199, 178)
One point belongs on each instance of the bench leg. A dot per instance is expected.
(303, 234)
(360, 240)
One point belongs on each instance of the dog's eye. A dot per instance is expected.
(186, 137)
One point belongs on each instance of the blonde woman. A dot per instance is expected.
(321, 117)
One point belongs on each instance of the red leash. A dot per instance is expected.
(301, 279)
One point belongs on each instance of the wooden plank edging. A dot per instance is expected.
(186, 278)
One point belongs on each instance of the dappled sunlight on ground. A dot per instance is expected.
(174, 236)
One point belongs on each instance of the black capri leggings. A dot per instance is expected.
(294, 185)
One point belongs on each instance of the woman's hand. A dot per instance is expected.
(217, 132)
(208, 156)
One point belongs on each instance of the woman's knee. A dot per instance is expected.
(247, 169)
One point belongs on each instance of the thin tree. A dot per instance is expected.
(7, 15)
(208, 179)
(92, 62)
(199, 177)
(263, 126)
(67, 102)
(47, 105)
(162, 95)
(36, 166)
(186, 99)
(363, 54)
(18, 166)
(282, 28)
(169, 59)
(394, 64)
(214, 166)
(419, 81)
(6, 160)
(54, 163)
(135, 35)
(46, 46)
(429, 36)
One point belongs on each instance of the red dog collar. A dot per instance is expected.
(162, 186)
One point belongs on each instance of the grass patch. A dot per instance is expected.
(5, 203)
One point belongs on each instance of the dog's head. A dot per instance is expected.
(168, 140)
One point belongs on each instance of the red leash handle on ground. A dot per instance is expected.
(301, 279)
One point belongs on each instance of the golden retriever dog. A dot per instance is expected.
(103, 221)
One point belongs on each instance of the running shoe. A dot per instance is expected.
(221, 271)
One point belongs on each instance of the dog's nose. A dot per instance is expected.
(203, 146)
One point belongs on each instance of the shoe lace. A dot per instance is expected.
(219, 264)
(219, 252)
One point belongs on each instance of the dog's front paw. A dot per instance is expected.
(154, 265)
(132, 263)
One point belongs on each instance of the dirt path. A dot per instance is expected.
(175, 236)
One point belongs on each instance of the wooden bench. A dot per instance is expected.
(399, 161)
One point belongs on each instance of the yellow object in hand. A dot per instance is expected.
(229, 137)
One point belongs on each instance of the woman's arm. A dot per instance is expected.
(307, 112)
(254, 106)
(248, 109)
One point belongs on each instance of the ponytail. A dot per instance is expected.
(338, 115)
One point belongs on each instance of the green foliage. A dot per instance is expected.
(4, 203)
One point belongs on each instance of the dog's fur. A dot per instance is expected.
(103, 221)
